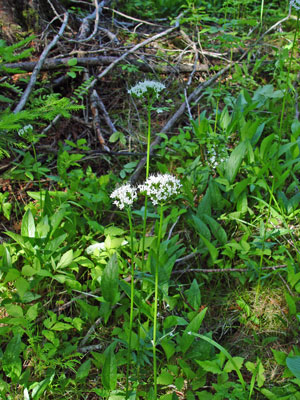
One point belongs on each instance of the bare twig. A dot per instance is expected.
(93, 347)
(90, 331)
(83, 30)
(38, 66)
(96, 120)
(105, 113)
(57, 63)
(118, 60)
(215, 270)
(130, 18)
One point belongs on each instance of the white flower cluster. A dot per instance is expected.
(160, 188)
(145, 87)
(296, 4)
(213, 159)
(23, 131)
(124, 195)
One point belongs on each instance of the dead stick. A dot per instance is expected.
(183, 271)
(38, 66)
(119, 59)
(96, 120)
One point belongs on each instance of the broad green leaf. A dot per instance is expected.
(66, 259)
(43, 227)
(40, 387)
(224, 119)
(201, 227)
(27, 270)
(61, 326)
(173, 320)
(229, 367)
(83, 370)
(165, 378)
(109, 371)
(110, 280)
(211, 366)
(22, 285)
(32, 312)
(72, 62)
(234, 162)
(6, 260)
(11, 362)
(14, 310)
(293, 364)
(12, 275)
(28, 225)
(168, 347)
(194, 295)
(186, 340)
(53, 244)
(211, 248)
(291, 303)
(216, 229)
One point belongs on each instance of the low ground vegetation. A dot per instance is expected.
(150, 204)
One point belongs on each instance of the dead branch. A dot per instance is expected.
(105, 113)
(96, 120)
(219, 270)
(56, 63)
(38, 66)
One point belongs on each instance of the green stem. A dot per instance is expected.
(156, 302)
(131, 302)
(145, 205)
(37, 173)
(288, 80)
(261, 13)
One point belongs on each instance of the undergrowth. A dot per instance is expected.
(193, 295)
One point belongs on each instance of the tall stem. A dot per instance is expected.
(145, 208)
(156, 302)
(131, 303)
(288, 80)
(147, 175)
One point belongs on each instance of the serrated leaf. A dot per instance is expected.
(238, 363)
(210, 366)
(61, 326)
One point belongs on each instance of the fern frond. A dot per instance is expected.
(82, 90)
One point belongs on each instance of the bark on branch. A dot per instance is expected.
(56, 63)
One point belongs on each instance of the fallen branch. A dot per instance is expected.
(215, 270)
(96, 120)
(57, 63)
(39, 65)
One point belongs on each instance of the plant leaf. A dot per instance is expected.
(109, 372)
(110, 280)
